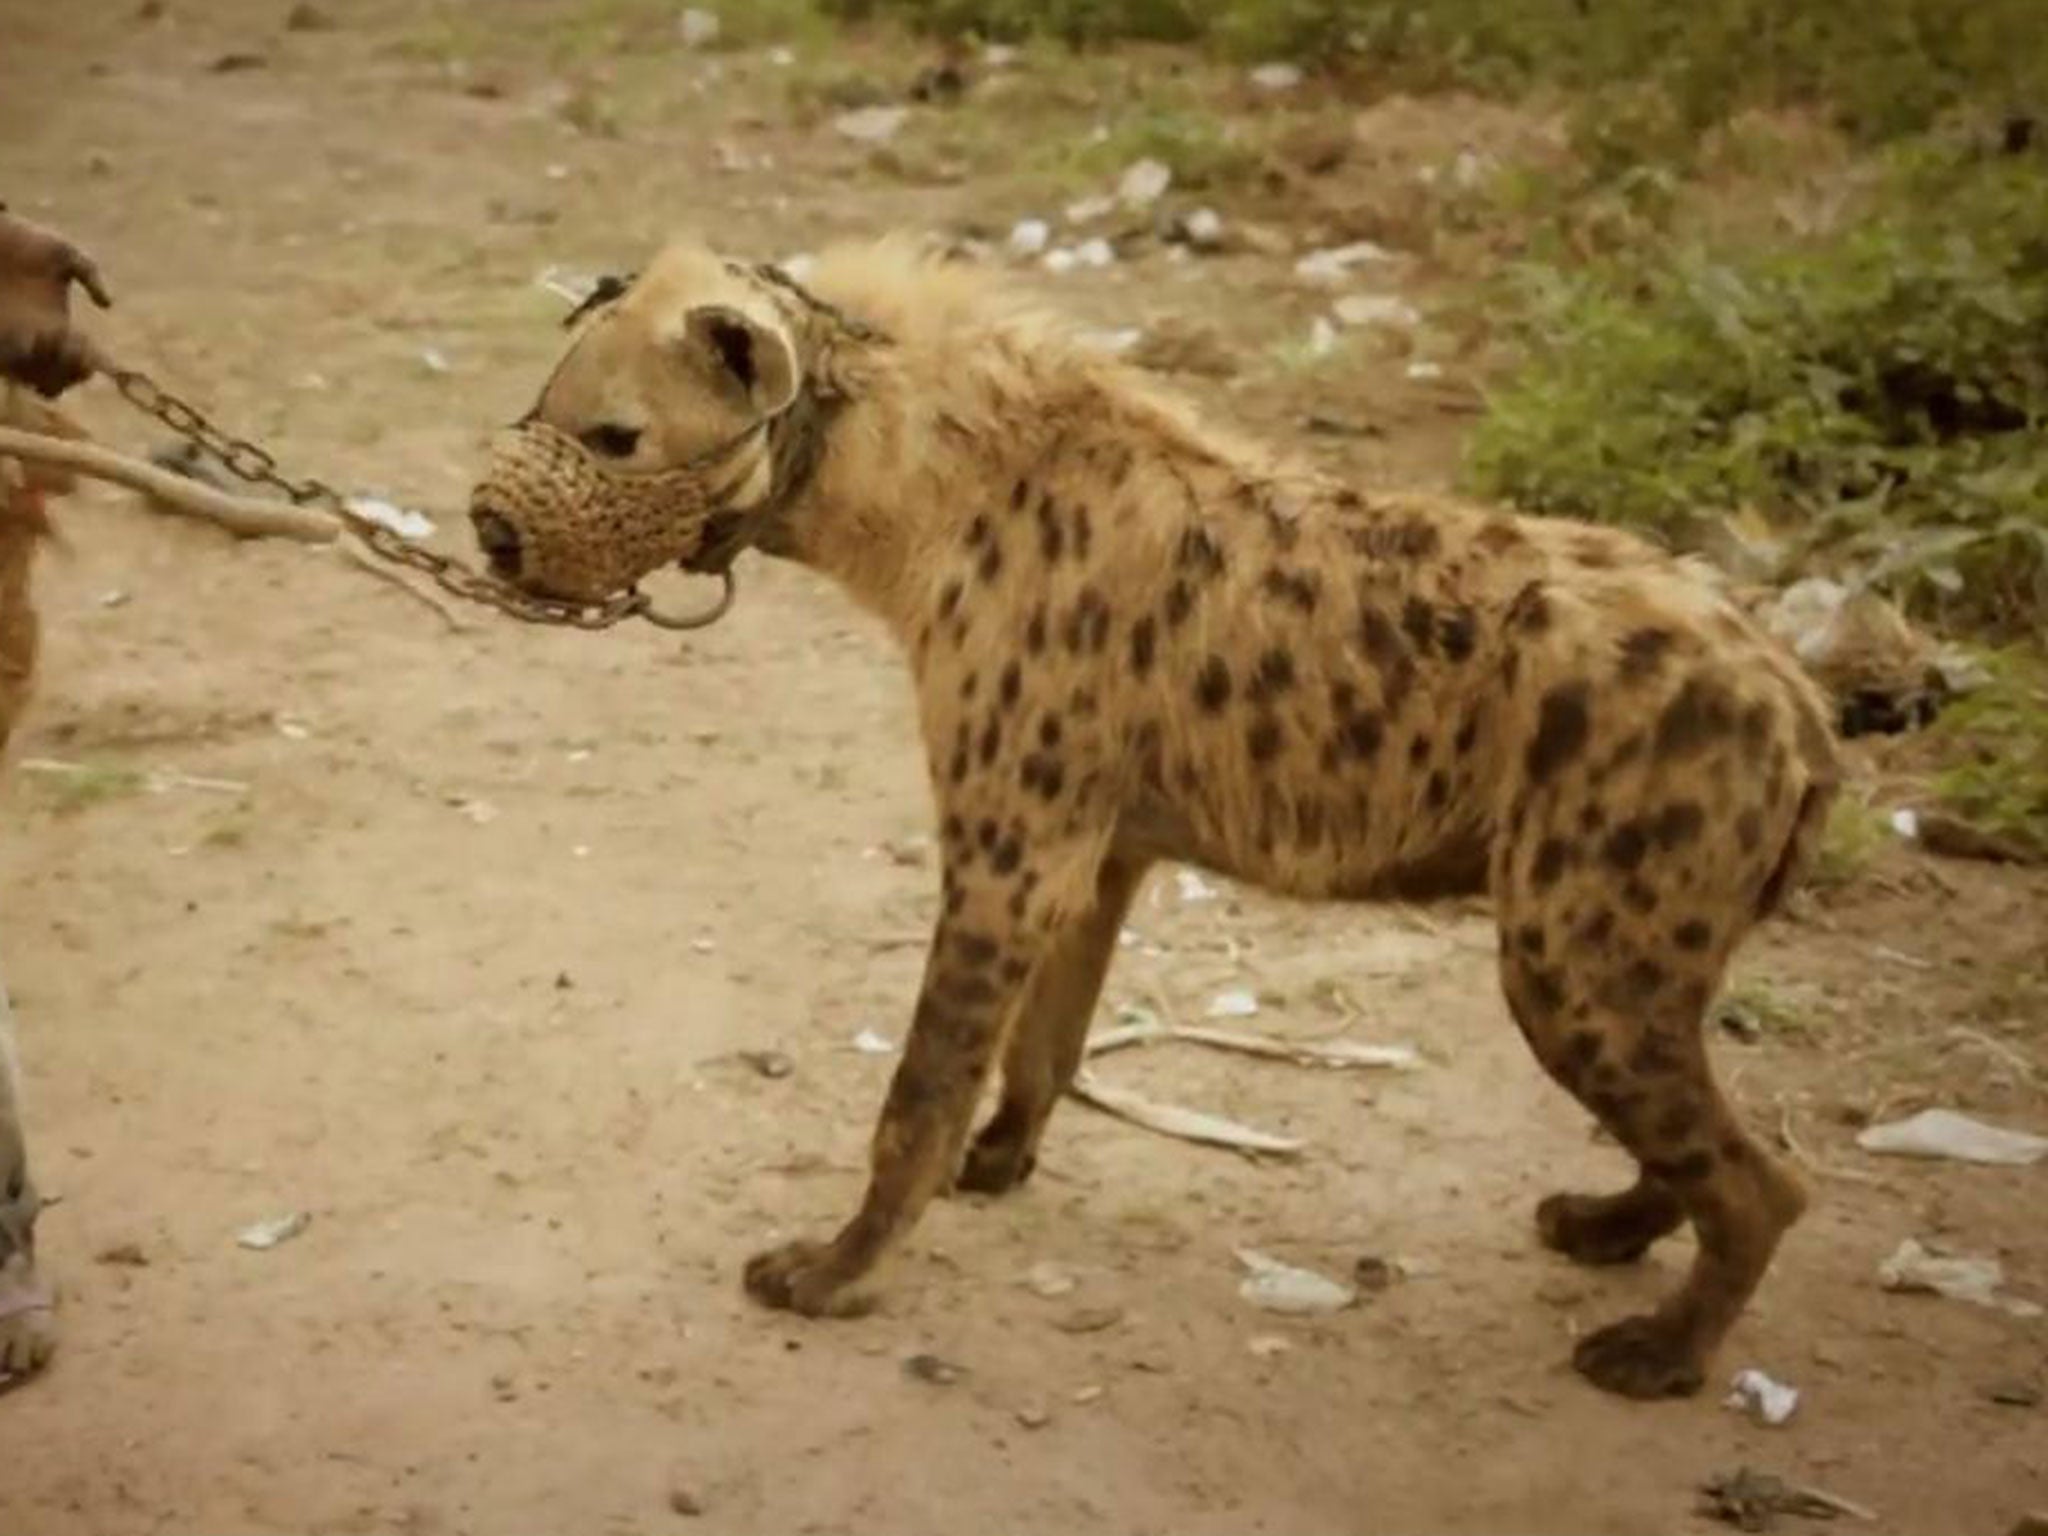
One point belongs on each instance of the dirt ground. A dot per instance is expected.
(463, 966)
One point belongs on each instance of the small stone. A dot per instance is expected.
(2014, 1394)
(1373, 1273)
(1029, 237)
(1088, 209)
(306, 17)
(126, 1255)
(1048, 1280)
(770, 1064)
(1089, 1319)
(1203, 230)
(1267, 1345)
(1144, 183)
(697, 28)
(1560, 1292)
(1095, 253)
(930, 1368)
(871, 125)
(1087, 1395)
(1032, 1416)
(685, 1503)
(236, 63)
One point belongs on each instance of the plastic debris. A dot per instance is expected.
(1383, 309)
(1267, 1345)
(1334, 265)
(1144, 183)
(403, 521)
(1029, 237)
(434, 360)
(1322, 337)
(871, 125)
(1061, 260)
(1913, 1266)
(1191, 887)
(1237, 1003)
(481, 812)
(263, 1235)
(769, 1064)
(1095, 253)
(1906, 823)
(1187, 1124)
(870, 1043)
(1276, 77)
(697, 28)
(1944, 1133)
(1762, 1398)
(940, 1373)
(1276, 1287)
(1203, 229)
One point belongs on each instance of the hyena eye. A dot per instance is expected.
(613, 442)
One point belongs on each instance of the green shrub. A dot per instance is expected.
(1996, 741)
(1881, 393)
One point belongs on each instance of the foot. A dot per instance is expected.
(995, 1165)
(1641, 1357)
(28, 1328)
(1608, 1229)
(804, 1277)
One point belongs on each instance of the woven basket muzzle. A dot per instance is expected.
(588, 531)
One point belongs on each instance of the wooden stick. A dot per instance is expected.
(242, 515)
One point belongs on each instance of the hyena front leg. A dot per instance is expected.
(1000, 918)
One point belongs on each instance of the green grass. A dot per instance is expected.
(1996, 741)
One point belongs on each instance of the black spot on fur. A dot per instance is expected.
(1438, 790)
(1457, 633)
(1643, 652)
(986, 833)
(1499, 536)
(1551, 858)
(1529, 939)
(1418, 623)
(1052, 537)
(1749, 830)
(1144, 643)
(1009, 853)
(1084, 533)
(1199, 553)
(1637, 896)
(1041, 771)
(1263, 739)
(974, 949)
(1049, 732)
(1626, 845)
(1180, 602)
(991, 562)
(1418, 749)
(1273, 675)
(1034, 632)
(1701, 714)
(1300, 589)
(1012, 687)
(1212, 685)
(1679, 823)
(1468, 733)
(1019, 494)
(949, 598)
(991, 740)
(1561, 728)
(1362, 735)
(1529, 613)
(969, 685)
(1412, 538)
(1598, 928)
(1693, 935)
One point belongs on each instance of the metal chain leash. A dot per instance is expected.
(251, 463)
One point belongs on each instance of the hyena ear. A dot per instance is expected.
(753, 360)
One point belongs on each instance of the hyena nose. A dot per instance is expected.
(499, 541)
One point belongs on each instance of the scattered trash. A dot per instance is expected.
(1144, 183)
(871, 125)
(1322, 337)
(1097, 252)
(1276, 1287)
(869, 1043)
(1382, 309)
(481, 812)
(2014, 1394)
(1906, 823)
(402, 521)
(1048, 1280)
(434, 360)
(1276, 77)
(1201, 229)
(1029, 237)
(940, 1373)
(1191, 887)
(1303, 1053)
(799, 265)
(1944, 1133)
(697, 28)
(1187, 1124)
(1915, 1267)
(908, 852)
(123, 1255)
(291, 728)
(1237, 1003)
(264, 1235)
(1087, 210)
(115, 598)
(1088, 1319)
(1763, 1399)
(1334, 266)
(1423, 371)
(1267, 1345)
(1752, 1501)
(1031, 1416)
(1087, 1395)
(770, 1064)
(1373, 1273)
(1060, 261)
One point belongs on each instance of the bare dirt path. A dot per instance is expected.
(464, 970)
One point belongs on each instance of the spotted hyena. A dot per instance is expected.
(1137, 637)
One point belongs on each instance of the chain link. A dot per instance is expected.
(250, 462)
